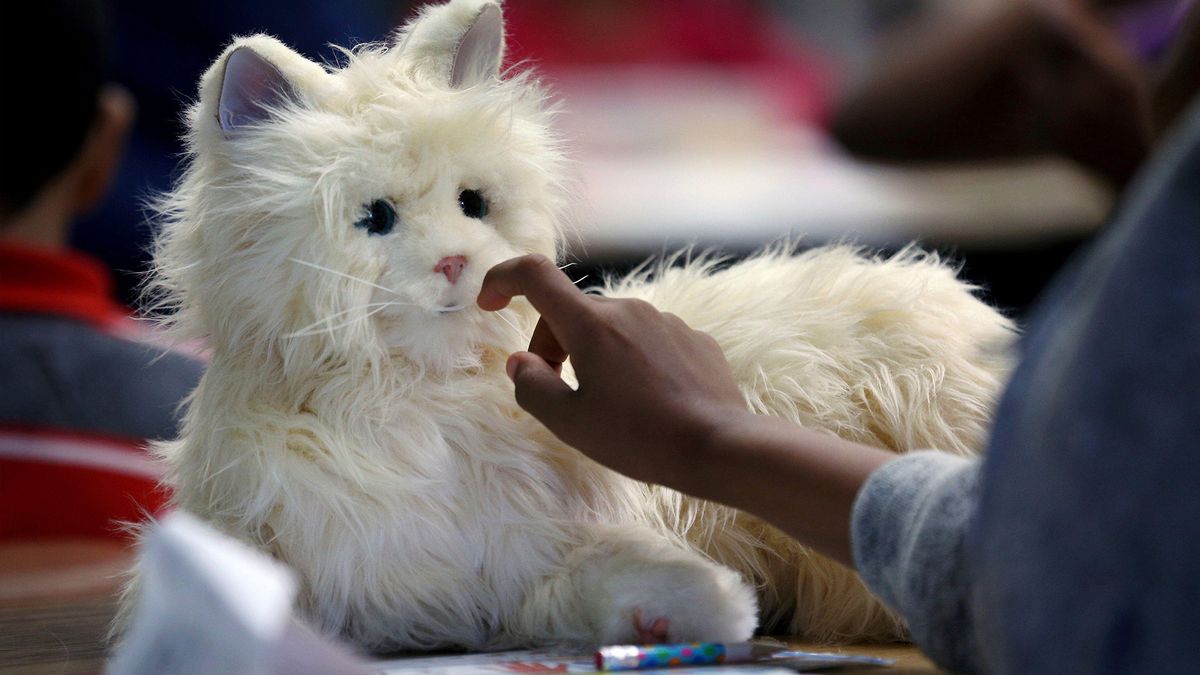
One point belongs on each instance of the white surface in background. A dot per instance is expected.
(676, 156)
(645, 203)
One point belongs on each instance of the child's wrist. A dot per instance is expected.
(718, 455)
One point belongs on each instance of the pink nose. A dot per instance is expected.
(452, 266)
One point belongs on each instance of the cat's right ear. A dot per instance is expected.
(252, 79)
(459, 43)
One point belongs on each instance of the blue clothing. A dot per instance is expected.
(159, 51)
(69, 360)
(1074, 545)
(62, 374)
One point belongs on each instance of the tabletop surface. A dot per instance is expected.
(57, 600)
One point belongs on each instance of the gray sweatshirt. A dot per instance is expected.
(1074, 546)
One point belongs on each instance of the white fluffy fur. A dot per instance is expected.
(377, 449)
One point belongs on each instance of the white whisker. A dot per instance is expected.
(581, 279)
(327, 319)
(563, 267)
(330, 329)
(343, 274)
(510, 323)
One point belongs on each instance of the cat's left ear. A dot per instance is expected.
(460, 43)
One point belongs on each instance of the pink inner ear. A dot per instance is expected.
(251, 87)
(479, 51)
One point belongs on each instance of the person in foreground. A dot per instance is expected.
(1071, 547)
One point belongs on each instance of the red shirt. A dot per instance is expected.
(57, 481)
(60, 282)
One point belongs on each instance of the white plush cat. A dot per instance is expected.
(328, 240)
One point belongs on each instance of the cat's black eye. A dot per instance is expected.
(380, 218)
(472, 203)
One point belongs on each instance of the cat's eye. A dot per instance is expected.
(472, 203)
(380, 217)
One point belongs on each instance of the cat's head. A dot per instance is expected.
(357, 209)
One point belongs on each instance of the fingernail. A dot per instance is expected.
(510, 366)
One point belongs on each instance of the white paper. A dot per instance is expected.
(206, 604)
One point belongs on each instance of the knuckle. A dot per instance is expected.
(608, 330)
(535, 263)
(602, 306)
(710, 340)
(675, 320)
(642, 308)
(604, 327)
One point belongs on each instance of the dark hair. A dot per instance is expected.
(53, 56)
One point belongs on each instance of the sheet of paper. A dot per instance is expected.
(205, 603)
(210, 604)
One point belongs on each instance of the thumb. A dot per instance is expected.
(540, 390)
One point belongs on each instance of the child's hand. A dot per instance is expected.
(652, 391)
(657, 402)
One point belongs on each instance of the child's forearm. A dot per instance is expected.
(802, 481)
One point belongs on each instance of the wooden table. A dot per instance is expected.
(909, 660)
(57, 600)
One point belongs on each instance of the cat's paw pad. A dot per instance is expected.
(677, 601)
(650, 632)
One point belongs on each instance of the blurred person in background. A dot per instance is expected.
(158, 51)
(81, 387)
(1019, 78)
(986, 81)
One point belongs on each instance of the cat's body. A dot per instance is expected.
(356, 421)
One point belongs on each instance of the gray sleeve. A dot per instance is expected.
(908, 527)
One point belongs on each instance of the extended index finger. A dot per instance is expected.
(534, 276)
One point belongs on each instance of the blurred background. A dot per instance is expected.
(734, 123)
(999, 132)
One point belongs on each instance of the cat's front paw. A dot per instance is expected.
(683, 600)
(652, 631)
